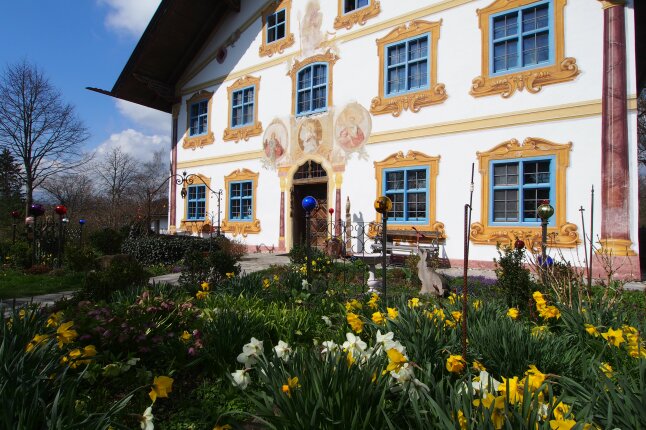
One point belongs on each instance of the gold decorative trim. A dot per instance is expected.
(196, 226)
(565, 235)
(193, 142)
(616, 247)
(383, 104)
(608, 4)
(563, 70)
(330, 58)
(277, 46)
(246, 131)
(413, 158)
(357, 16)
(246, 227)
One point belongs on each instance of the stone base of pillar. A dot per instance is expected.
(172, 230)
(616, 247)
(281, 244)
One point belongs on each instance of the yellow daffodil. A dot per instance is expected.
(453, 298)
(462, 420)
(55, 319)
(511, 389)
(439, 314)
(535, 378)
(396, 360)
(614, 337)
(353, 305)
(37, 340)
(607, 370)
(561, 410)
(413, 303)
(513, 313)
(498, 414)
(562, 424)
(265, 283)
(550, 312)
(230, 275)
(162, 385)
(455, 364)
(372, 303)
(22, 313)
(392, 313)
(78, 357)
(457, 315)
(479, 366)
(477, 304)
(276, 278)
(205, 286)
(186, 336)
(292, 383)
(378, 318)
(592, 330)
(539, 329)
(539, 299)
(64, 334)
(224, 427)
(355, 322)
(449, 323)
(349, 358)
(201, 295)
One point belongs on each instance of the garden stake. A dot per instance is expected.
(465, 287)
(591, 235)
(585, 244)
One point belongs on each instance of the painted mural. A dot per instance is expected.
(275, 144)
(352, 128)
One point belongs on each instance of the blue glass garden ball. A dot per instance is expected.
(309, 203)
(81, 221)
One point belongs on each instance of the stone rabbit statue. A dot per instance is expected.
(432, 282)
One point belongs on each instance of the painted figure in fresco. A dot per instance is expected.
(309, 136)
(350, 134)
(273, 149)
(311, 34)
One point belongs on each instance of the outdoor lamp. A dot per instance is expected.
(545, 210)
(383, 205)
(60, 210)
(36, 210)
(309, 203)
(183, 192)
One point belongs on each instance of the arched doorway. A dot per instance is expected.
(310, 179)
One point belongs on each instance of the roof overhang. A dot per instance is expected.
(173, 38)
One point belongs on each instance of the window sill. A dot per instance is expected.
(533, 79)
(242, 132)
(242, 228)
(357, 16)
(564, 236)
(192, 142)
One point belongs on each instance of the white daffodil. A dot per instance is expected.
(386, 342)
(147, 419)
(250, 353)
(283, 351)
(404, 374)
(485, 383)
(241, 379)
(327, 321)
(329, 346)
(354, 344)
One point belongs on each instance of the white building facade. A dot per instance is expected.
(352, 99)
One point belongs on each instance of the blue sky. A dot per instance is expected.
(86, 43)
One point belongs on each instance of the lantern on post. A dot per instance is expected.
(544, 212)
(384, 205)
(309, 204)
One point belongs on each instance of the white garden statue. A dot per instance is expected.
(432, 282)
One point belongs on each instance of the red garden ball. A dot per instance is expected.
(60, 210)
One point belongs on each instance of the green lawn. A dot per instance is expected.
(14, 284)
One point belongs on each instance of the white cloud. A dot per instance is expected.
(156, 121)
(129, 17)
(138, 145)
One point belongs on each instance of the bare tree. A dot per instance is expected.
(37, 127)
(152, 185)
(117, 173)
(74, 191)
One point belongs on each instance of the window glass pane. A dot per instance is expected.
(505, 25)
(280, 16)
(247, 114)
(320, 75)
(246, 189)
(505, 55)
(505, 205)
(246, 209)
(417, 74)
(305, 78)
(396, 80)
(304, 101)
(536, 172)
(236, 117)
(235, 209)
(536, 48)
(280, 31)
(416, 206)
(535, 18)
(271, 20)
(201, 192)
(235, 190)
(395, 180)
(348, 6)
(505, 174)
(531, 200)
(202, 107)
(398, 205)
(416, 179)
(237, 98)
(319, 101)
(362, 3)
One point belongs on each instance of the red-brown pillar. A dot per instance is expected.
(281, 216)
(172, 207)
(338, 180)
(615, 191)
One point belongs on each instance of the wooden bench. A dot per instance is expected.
(402, 243)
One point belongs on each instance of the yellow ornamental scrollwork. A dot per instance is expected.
(565, 236)
(413, 102)
(533, 80)
(357, 16)
(241, 228)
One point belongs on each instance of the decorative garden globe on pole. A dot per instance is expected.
(384, 205)
(81, 224)
(15, 215)
(309, 204)
(544, 211)
(35, 210)
(60, 210)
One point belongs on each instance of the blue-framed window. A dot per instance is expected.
(196, 202)
(311, 89)
(350, 5)
(518, 187)
(522, 38)
(408, 190)
(276, 25)
(242, 106)
(407, 65)
(241, 200)
(199, 117)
